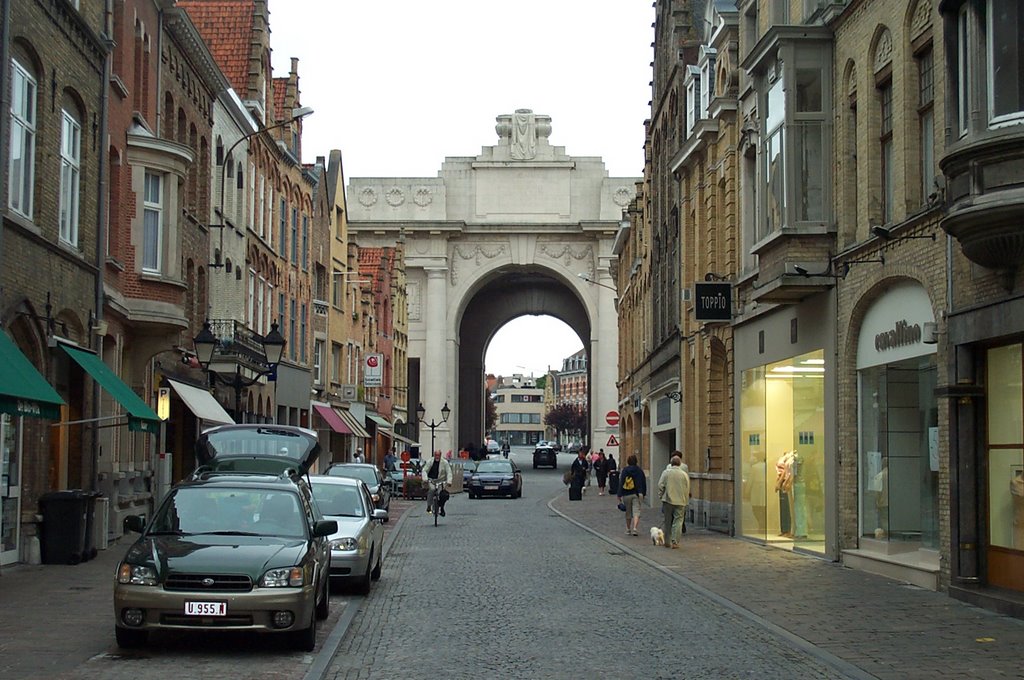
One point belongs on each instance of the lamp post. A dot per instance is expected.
(596, 283)
(421, 414)
(273, 349)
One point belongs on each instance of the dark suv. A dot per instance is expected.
(239, 546)
(545, 455)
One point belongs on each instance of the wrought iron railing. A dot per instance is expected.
(235, 339)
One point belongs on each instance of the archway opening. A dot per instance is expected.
(534, 305)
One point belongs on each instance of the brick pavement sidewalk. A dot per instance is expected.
(887, 628)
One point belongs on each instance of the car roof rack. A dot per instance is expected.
(208, 472)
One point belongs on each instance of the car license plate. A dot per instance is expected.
(206, 608)
(490, 487)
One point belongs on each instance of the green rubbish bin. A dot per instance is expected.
(64, 525)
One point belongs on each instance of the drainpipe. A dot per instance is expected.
(102, 218)
(5, 101)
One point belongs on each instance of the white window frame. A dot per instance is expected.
(261, 305)
(318, 362)
(267, 319)
(1014, 117)
(964, 71)
(21, 172)
(155, 209)
(707, 79)
(250, 297)
(70, 177)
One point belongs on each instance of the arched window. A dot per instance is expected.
(70, 170)
(21, 168)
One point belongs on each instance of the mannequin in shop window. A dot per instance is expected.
(784, 469)
(880, 485)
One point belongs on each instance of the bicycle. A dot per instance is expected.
(435, 503)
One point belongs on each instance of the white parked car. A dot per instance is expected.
(357, 546)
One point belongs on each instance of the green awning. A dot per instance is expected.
(23, 390)
(141, 418)
(380, 420)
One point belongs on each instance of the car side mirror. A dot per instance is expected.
(136, 523)
(325, 527)
(380, 515)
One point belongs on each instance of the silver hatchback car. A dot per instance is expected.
(357, 547)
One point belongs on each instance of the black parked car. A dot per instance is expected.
(380, 490)
(545, 455)
(496, 477)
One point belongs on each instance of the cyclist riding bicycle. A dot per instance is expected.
(437, 472)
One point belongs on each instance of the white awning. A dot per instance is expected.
(201, 403)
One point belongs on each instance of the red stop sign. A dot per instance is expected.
(612, 418)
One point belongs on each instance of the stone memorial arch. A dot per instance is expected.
(491, 238)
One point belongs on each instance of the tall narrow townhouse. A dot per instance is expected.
(784, 353)
(890, 272)
(53, 84)
(633, 281)
(162, 91)
(982, 187)
(344, 328)
(706, 167)
(654, 378)
(265, 203)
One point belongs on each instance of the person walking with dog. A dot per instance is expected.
(674, 492)
(632, 489)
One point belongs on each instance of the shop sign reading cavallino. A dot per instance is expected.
(712, 301)
(902, 334)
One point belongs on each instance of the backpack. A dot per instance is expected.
(628, 484)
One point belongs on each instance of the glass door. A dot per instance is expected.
(10, 488)
(1005, 385)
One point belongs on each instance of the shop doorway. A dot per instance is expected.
(10, 488)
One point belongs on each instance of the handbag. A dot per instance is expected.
(621, 506)
(567, 477)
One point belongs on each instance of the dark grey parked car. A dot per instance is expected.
(545, 455)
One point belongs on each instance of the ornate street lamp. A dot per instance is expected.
(421, 414)
(205, 344)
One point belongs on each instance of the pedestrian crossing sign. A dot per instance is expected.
(612, 441)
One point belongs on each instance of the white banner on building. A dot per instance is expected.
(373, 370)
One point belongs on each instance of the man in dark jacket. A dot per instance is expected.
(632, 489)
(578, 475)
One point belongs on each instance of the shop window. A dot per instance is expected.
(1005, 406)
(782, 442)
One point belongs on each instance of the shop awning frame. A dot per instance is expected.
(141, 418)
(23, 389)
(201, 403)
(353, 423)
(332, 418)
(380, 420)
(394, 435)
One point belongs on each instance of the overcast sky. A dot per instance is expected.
(399, 85)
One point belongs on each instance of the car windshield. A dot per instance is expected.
(366, 475)
(494, 466)
(244, 511)
(338, 500)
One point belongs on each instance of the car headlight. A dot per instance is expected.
(346, 543)
(283, 578)
(136, 575)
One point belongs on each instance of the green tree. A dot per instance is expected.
(567, 418)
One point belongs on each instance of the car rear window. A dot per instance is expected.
(363, 474)
(337, 500)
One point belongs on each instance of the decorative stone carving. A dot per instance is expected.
(524, 135)
(422, 197)
(622, 196)
(565, 252)
(883, 50)
(922, 18)
(367, 197)
(476, 252)
(394, 197)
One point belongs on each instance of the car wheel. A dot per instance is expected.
(323, 607)
(534, 465)
(305, 639)
(362, 585)
(128, 638)
(375, 574)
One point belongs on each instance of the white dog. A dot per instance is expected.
(657, 536)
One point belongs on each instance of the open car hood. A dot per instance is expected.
(268, 449)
